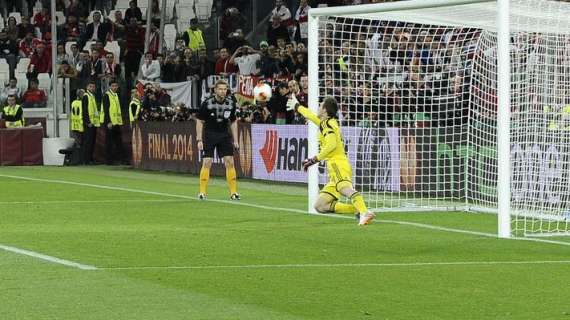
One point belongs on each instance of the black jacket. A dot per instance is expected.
(102, 32)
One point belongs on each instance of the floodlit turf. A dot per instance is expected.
(160, 254)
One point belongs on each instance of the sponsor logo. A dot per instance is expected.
(269, 150)
(284, 154)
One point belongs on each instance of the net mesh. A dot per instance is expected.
(421, 99)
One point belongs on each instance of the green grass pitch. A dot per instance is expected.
(161, 254)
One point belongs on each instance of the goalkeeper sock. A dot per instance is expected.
(344, 208)
(204, 178)
(358, 202)
(231, 178)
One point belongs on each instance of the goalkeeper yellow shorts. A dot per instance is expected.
(340, 176)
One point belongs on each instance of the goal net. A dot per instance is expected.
(417, 88)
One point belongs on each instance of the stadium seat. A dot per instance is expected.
(203, 9)
(22, 66)
(4, 77)
(88, 45)
(68, 45)
(22, 81)
(169, 9)
(170, 36)
(186, 3)
(60, 17)
(184, 16)
(4, 67)
(112, 14)
(122, 4)
(44, 81)
(17, 16)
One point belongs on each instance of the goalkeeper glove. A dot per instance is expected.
(309, 162)
(292, 103)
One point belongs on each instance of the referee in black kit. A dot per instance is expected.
(216, 129)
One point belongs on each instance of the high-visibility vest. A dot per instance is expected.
(12, 111)
(77, 116)
(92, 109)
(134, 116)
(114, 109)
(565, 117)
(342, 63)
(195, 39)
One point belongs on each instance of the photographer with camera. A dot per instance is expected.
(245, 111)
(150, 105)
(247, 59)
(134, 106)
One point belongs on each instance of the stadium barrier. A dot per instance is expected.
(385, 159)
(171, 146)
(21, 146)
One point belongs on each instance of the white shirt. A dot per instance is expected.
(301, 17)
(373, 54)
(282, 13)
(151, 72)
(95, 30)
(248, 64)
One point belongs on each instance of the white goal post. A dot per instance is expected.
(451, 105)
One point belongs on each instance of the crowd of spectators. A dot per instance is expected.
(398, 74)
(358, 68)
(382, 73)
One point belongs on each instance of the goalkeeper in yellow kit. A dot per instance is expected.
(338, 166)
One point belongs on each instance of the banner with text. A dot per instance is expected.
(279, 151)
(168, 146)
(180, 92)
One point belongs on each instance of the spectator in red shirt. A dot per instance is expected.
(71, 30)
(77, 8)
(34, 97)
(41, 19)
(223, 65)
(98, 48)
(28, 45)
(40, 62)
(230, 22)
(301, 22)
(154, 41)
(134, 49)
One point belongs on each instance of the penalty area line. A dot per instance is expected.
(47, 258)
(341, 265)
(269, 208)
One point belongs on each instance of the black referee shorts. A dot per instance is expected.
(222, 142)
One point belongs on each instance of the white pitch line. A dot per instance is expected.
(47, 258)
(88, 201)
(341, 265)
(241, 203)
(98, 186)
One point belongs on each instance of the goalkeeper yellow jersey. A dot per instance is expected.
(331, 144)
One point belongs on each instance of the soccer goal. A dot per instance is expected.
(452, 105)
